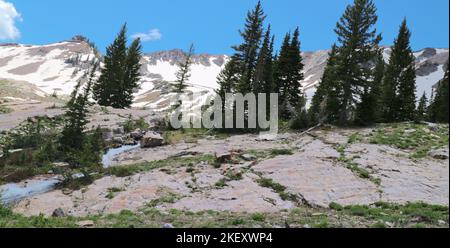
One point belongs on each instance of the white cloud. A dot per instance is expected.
(8, 17)
(151, 35)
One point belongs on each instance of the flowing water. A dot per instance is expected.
(107, 159)
(14, 192)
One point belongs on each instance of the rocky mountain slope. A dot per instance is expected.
(53, 70)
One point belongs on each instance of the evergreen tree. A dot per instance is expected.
(399, 86)
(377, 88)
(407, 77)
(359, 45)
(320, 110)
(183, 74)
(439, 108)
(76, 116)
(247, 52)
(228, 78)
(293, 88)
(120, 73)
(263, 77)
(367, 111)
(238, 75)
(289, 75)
(282, 69)
(421, 112)
(132, 74)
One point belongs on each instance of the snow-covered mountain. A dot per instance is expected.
(54, 69)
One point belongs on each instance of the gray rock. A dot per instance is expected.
(433, 126)
(137, 134)
(439, 154)
(441, 222)
(119, 130)
(108, 135)
(77, 175)
(167, 226)
(61, 164)
(59, 212)
(85, 223)
(225, 157)
(248, 157)
(185, 153)
(118, 140)
(129, 142)
(152, 139)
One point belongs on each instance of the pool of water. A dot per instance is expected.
(107, 159)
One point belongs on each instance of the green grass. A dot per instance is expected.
(354, 138)
(131, 125)
(336, 206)
(129, 170)
(259, 217)
(278, 188)
(112, 192)
(167, 197)
(417, 138)
(381, 215)
(278, 152)
(5, 110)
(190, 135)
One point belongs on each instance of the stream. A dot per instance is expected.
(14, 192)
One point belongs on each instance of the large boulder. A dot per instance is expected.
(152, 139)
(439, 153)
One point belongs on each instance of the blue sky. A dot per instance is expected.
(212, 25)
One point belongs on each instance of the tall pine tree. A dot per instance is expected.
(120, 73)
(263, 77)
(359, 45)
(367, 111)
(247, 52)
(295, 95)
(399, 85)
(439, 107)
(320, 111)
(421, 112)
(282, 69)
(76, 116)
(289, 75)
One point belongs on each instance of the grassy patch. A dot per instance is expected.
(167, 197)
(190, 135)
(131, 125)
(354, 138)
(278, 152)
(112, 192)
(336, 206)
(351, 165)
(382, 215)
(278, 188)
(128, 170)
(417, 138)
(5, 110)
(259, 217)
